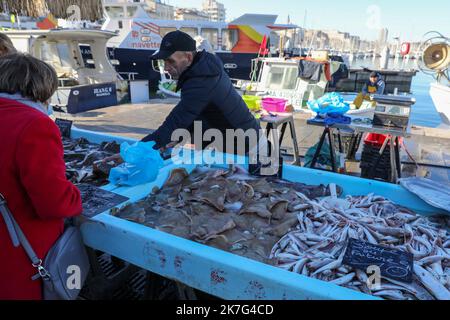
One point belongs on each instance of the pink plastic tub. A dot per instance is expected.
(274, 104)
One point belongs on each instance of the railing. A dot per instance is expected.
(130, 75)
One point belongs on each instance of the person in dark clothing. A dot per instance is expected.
(208, 98)
(207, 94)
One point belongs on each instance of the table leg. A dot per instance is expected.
(319, 147)
(361, 135)
(295, 142)
(352, 145)
(397, 157)
(340, 141)
(269, 128)
(283, 130)
(276, 145)
(393, 160)
(330, 139)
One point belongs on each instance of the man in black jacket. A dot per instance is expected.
(207, 94)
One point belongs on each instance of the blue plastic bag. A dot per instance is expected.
(142, 164)
(329, 103)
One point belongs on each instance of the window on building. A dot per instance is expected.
(211, 35)
(120, 24)
(115, 12)
(193, 32)
(163, 31)
(131, 11)
(230, 38)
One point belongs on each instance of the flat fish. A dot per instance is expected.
(84, 161)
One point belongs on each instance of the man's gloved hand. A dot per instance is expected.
(117, 159)
(169, 146)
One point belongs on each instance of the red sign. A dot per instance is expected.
(406, 48)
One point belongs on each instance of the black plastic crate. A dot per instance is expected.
(369, 158)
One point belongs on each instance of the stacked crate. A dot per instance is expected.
(371, 151)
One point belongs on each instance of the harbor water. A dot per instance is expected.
(423, 112)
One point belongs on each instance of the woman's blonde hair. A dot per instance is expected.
(6, 45)
(31, 77)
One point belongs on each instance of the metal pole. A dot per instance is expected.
(394, 174)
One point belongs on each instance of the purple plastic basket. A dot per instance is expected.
(274, 104)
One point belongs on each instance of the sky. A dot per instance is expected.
(407, 19)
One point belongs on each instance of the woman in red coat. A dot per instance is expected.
(32, 171)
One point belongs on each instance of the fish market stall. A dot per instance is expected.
(144, 234)
(84, 152)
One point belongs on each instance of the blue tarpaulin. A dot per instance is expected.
(329, 103)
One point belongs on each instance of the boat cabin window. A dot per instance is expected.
(88, 58)
(282, 78)
(193, 32)
(56, 54)
(46, 54)
(163, 31)
(115, 12)
(230, 38)
(64, 54)
(211, 35)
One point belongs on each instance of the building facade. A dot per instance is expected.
(334, 40)
(383, 36)
(215, 10)
(159, 10)
(190, 14)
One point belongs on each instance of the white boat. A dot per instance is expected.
(139, 35)
(278, 78)
(435, 61)
(440, 94)
(86, 82)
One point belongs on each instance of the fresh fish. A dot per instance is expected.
(431, 283)
(232, 211)
(325, 225)
(84, 161)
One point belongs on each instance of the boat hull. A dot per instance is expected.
(441, 98)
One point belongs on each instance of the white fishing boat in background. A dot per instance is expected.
(86, 82)
(435, 61)
(236, 43)
(279, 78)
(440, 94)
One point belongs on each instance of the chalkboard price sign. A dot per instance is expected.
(65, 126)
(96, 200)
(393, 263)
